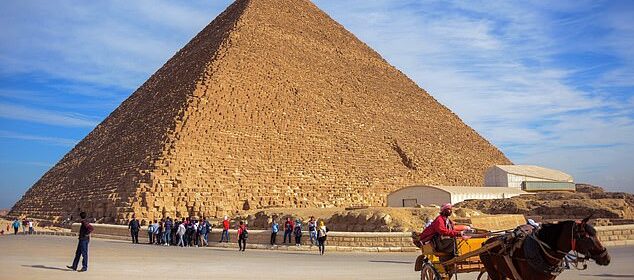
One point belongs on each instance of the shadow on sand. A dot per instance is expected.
(608, 275)
(395, 262)
(47, 267)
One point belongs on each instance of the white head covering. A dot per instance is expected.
(533, 223)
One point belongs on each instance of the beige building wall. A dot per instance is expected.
(423, 196)
(515, 181)
(495, 177)
(438, 195)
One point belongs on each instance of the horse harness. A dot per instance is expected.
(537, 261)
(525, 237)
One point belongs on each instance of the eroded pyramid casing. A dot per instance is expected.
(272, 104)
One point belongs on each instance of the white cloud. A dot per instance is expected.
(495, 64)
(22, 113)
(108, 43)
(66, 142)
(32, 163)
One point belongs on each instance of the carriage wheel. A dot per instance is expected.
(483, 274)
(428, 272)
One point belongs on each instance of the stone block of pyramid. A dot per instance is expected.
(272, 104)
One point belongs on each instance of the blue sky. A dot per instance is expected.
(550, 83)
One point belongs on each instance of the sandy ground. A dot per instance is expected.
(45, 257)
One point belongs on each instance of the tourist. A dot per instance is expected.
(161, 232)
(312, 230)
(428, 223)
(134, 227)
(322, 232)
(175, 226)
(167, 234)
(31, 229)
(150, 232)
(82, 246)
(180, 233)
(243, 235)
(288, 229)
(25, 223)
(196, 233)
(298, 232)
(16, 226)
(189, 234)
(193, 238)
(225, 230)
(204, 229)
(274, 229)
(156, 230)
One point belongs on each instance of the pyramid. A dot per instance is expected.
(273, 104)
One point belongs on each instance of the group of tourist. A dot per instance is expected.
(317, 234)
(185, 232)
(26, 225)
(191, 232)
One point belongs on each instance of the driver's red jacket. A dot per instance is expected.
(442, 226)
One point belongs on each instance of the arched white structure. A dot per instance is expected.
(513, 176)
(438, 195)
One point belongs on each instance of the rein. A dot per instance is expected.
(576, 259)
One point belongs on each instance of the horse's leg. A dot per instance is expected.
(489, 265)
(503, 271)
(528, 273)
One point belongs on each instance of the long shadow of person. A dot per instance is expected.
(46, 267)
(609, 275)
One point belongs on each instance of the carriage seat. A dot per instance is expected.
(428, 249)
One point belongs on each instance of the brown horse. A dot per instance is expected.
(541, 254)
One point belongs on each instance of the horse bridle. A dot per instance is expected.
(588, 254)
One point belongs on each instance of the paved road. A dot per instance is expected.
(45, 257)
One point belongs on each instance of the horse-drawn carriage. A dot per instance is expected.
(468, 260)
(523, 253)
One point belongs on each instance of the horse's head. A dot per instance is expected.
(587, 242)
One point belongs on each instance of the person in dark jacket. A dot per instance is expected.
(174, 237)
(322, 234)
(134, 227)
(16, 225)
(167, 234)
(205, 228)
(243, 235)
(297, 231)
(82, 245)
(288, 229)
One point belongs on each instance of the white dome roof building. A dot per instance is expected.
(528, 177)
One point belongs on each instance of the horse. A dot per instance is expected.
(539, 255)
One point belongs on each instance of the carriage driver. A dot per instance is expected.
(442, 233)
